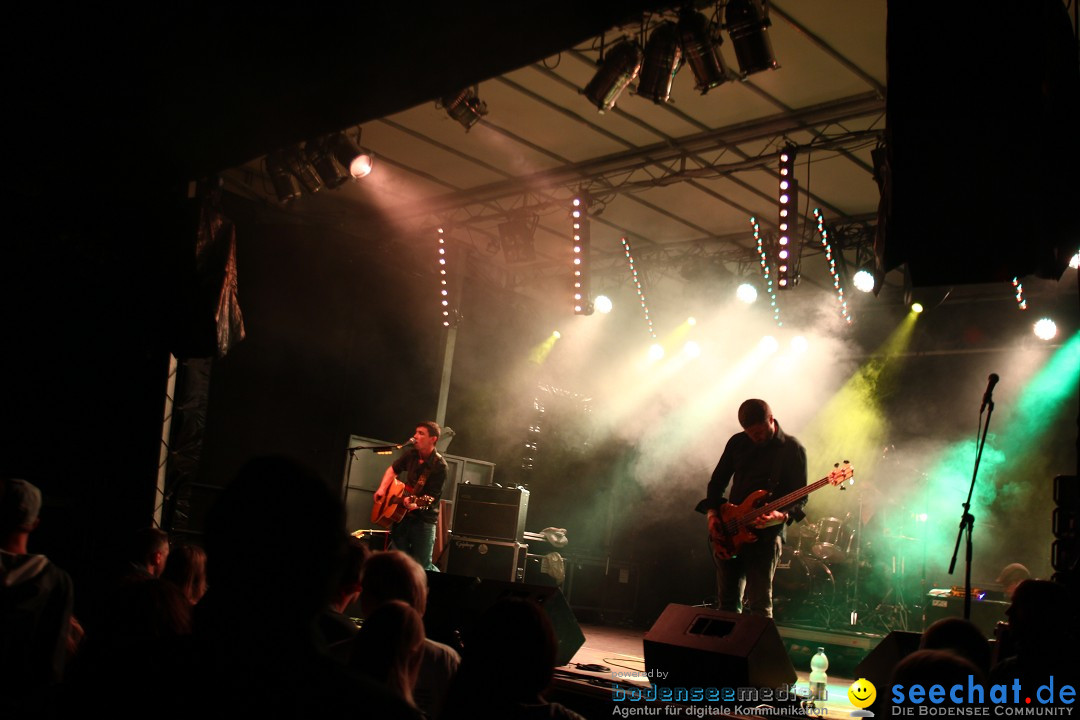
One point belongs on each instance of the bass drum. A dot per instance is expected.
(801, 577)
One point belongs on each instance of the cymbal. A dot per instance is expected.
(889, 536)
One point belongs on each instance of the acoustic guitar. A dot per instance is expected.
(396, 503)
(737, 520)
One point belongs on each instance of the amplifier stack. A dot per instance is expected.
(489, 524)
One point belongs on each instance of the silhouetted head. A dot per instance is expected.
(276, 534)
(20, 503)
(935, 667)
(1041, 617)
(389, 647)
(1011, 576)
(187, 570)
(961, 637)
(149, 549)
(756, 419)
(393, 575)
(514, 645)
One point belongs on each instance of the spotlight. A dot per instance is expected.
(692, 349)
(769, 344)
(619, 68)
(556, 334)
(1074, 261)
(691, 321)
(300, 166)
(799, 344)
(337, 159)
(747, 24)
(916, 308)
(863, 281)
(701, 50)
(1045, 329)
(322, 159)
(746, 293)
(602, 304)
(662, 58)
(359, 162)
(656, 351)
(285, 184)
(465, 107)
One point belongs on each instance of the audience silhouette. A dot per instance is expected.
(390, 647)
(36, 599)
(393, 575)
(507, 665)
(275, 545)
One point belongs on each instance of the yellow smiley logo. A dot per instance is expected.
(862, 693)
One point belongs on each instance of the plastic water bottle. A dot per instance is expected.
(818, 679)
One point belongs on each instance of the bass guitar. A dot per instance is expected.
(736, 521)
(396, 503)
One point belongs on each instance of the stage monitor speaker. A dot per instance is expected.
(456, 603)
(700, 647)
(879, 663)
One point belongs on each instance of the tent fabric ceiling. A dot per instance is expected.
(679, 179)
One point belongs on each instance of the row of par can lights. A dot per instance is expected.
(693, 40)
(329, 161)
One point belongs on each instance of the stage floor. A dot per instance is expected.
(616, 655)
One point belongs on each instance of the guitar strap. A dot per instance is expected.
(419, 486)
(774, 481)
(778, 466)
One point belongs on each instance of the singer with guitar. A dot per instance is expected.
(761, 457)
(417, 504)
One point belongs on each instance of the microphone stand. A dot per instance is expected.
(967, 520)
(379, 449)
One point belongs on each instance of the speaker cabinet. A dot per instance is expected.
(490, 512)
(484, 558)
(878, 665)
(699, 647)
(456, 602)
(603, 587)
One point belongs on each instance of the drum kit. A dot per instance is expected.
(830, 578)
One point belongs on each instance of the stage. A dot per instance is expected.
(601, 679)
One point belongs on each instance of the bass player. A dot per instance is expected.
(761, 457)
(414, 534)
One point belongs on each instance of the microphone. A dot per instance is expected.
(988, 395)
(407, 443)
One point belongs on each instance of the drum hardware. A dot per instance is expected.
(801, 536)
(832, 574)
(803, 576)
(826, 578)
(834, 539)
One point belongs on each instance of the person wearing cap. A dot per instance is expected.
(1012, 575)
(761, 457)
(36, 599)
